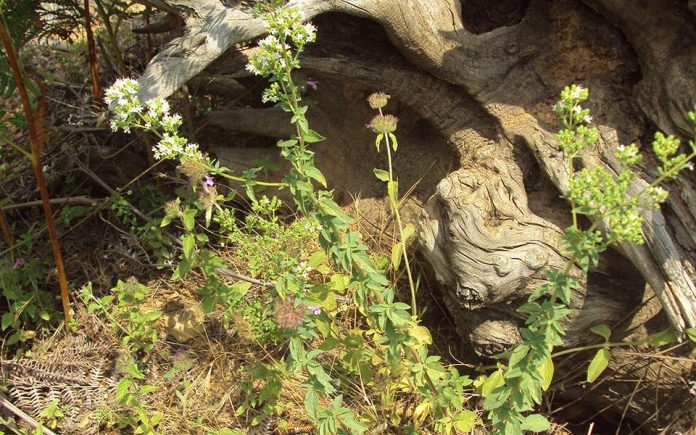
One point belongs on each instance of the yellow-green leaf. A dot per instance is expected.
(316, 259)
(598, 364)
(409, 230)
(602, 330)
(396, 254)
(421, 412)
(494, 381)
(393, 190)
(546, 371)
(381, 174)
(339, 283)
(421, 334)
(535, 423)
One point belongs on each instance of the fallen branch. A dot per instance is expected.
(79, 200)
(23, 415)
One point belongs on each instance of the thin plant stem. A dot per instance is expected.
(149, 45)
(395, 210)
(7, 233)
(92, 55)
(113, 41)
(37, 141)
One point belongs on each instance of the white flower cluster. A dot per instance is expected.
(285, 27)
(272, 93)
(122, 99)
(569, 106)
(302, 270)
(154, 116)
(312, 226)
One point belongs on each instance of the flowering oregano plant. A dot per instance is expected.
(605, 199)
(403, 342)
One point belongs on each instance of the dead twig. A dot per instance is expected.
(4, 401)
(79, 200)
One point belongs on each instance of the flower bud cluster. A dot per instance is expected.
(628, 155)
(666, 148)
(575, 135)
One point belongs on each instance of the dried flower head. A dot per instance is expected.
(195, 170)
(383, 124)
(287, 315)
(208, 196)
(172, 208)
(378, 100)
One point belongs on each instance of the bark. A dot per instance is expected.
(491, 224)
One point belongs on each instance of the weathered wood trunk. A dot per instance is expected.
(474, 82)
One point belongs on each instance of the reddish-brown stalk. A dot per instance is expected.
(37, 137)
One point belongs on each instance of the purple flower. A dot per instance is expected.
(18, 264)
(209, 181)
(312, 83)
(314, 309)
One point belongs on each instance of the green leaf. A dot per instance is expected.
(396, 255)
(241, 287)
(156, 418)
(535, 423)
(494, 381)
(378, 140)
(602, 330)
(466, 421)
(315, 173)
(381, 174)
(395, 143)
(188, 218)
(598, 364)
(147, 389)
(393, 190)
(311, 136)
(188, 242)
(316, 259)
(122, 388)
(409, 230)
(133, 370)
(691, 333)
(668, 336)
(312, 404)
(7, 320)
(152, 316)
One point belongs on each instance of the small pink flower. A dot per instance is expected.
(314, 309)
(312, 83)
(19, 263)
(209, 181)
